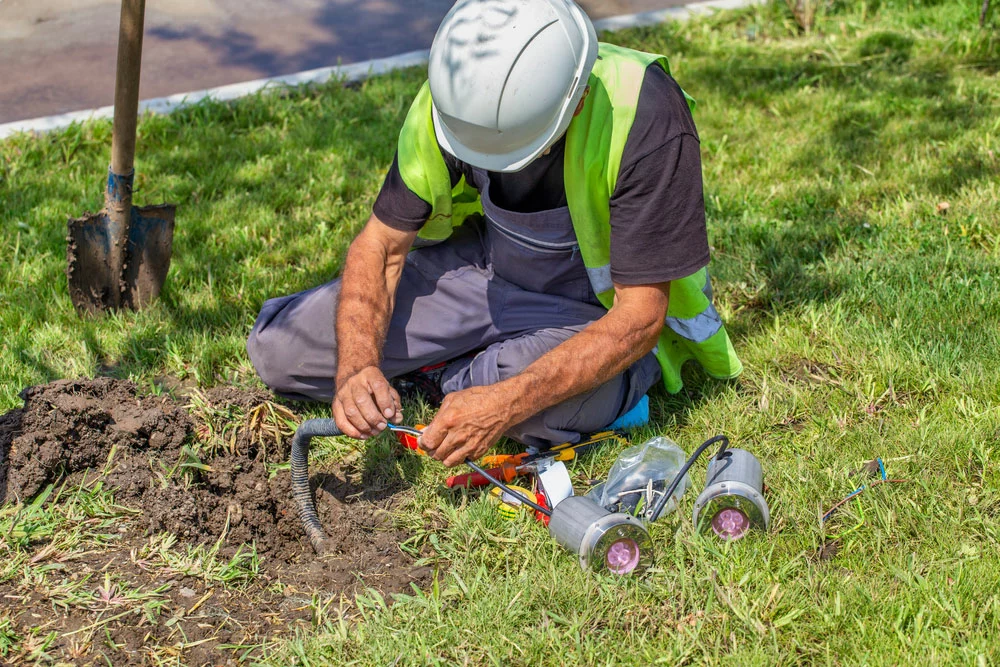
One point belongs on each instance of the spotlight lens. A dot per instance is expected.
(730, 524)
(623, 556)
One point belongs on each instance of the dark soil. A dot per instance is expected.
(205, 474)
(828, 550)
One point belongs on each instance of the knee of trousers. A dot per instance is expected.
(292, 344)
(500, 362)
(273, 357)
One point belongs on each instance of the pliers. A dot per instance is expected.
(508, 466)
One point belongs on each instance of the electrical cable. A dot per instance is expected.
(506, 489)
(857, 492)
(662, 502)
(883, 479)
(409, 430)
(489, 478)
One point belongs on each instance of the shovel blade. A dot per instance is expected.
(88, 247)
(92, 288)
(147, 261)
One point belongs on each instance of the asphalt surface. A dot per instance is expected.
(59, 55)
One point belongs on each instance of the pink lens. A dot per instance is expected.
(730, 524)
(622, 556)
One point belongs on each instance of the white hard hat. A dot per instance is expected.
(506, 77)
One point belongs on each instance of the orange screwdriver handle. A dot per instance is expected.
(496, 460)
(410, 441)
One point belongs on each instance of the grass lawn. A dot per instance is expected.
(853, 192)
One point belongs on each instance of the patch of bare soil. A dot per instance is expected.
(803, 371)
(226, 496)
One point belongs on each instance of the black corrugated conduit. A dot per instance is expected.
(309, 429)
(302, 493)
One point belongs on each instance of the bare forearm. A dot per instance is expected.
(368, 287)
(364, 400)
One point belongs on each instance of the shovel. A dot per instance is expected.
(119, 257)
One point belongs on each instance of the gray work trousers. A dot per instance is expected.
(449, 303)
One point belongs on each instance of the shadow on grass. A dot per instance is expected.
(699, 388)
(969, 166)
(270, 191)
(877, 101)
(877, 80)
(784, 266)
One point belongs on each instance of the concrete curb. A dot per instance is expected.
(349, 73)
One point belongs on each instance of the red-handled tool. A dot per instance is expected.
(509, 466)
(407, 437)
(567, 451)
(505, 472)
(544, 502)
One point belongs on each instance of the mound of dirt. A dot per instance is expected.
(204, 472)
(73, 425)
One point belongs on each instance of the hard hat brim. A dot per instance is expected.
(505, 162)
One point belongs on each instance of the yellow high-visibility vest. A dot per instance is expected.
(595, 142)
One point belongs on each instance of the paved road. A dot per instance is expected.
(59, 55)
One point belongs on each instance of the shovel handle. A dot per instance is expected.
(127, 86)
(118, 193)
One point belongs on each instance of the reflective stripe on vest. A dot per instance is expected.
(600, 278)
(699, 328)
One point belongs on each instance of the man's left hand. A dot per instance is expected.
(467, 425)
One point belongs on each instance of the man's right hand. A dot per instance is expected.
(364, 403)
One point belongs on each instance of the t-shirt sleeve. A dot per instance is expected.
(658, 228)
(401, 208)
(397, 205)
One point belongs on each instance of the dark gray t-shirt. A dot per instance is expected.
(657, 209)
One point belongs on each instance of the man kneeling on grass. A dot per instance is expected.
(536, 257)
